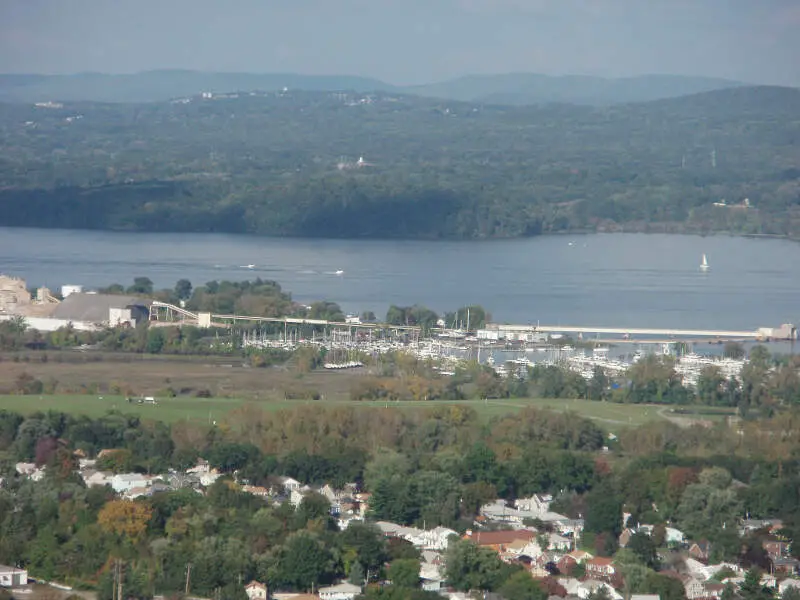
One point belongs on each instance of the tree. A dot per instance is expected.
(598, 385)
(643, 547)
(125, 518)
(314, 507)
(304, 561)
(604, 511)
(667, 588)
(751, 588)
(715, 477)
(471, 567)
(367, 544)
(356, 575)
(183, 289)
(521, 586)
(404, 572)
(711, 386)
(141, 285)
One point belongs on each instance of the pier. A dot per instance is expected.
(784, 332)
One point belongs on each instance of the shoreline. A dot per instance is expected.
(648, 229)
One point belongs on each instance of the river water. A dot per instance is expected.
(612, 280)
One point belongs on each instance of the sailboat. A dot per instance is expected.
(704, 264)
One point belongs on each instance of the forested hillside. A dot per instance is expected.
(287, 164)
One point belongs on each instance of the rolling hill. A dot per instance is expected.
(288, 164)
(516, 88)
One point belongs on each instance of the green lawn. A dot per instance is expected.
(174, 409)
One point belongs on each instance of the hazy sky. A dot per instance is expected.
(407, 41)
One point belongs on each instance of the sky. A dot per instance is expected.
(407, 41)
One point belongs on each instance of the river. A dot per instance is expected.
(619, 280)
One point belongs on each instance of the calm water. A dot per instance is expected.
(625, 280)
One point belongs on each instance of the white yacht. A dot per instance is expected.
(704, 264)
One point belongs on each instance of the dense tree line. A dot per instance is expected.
(441, 168)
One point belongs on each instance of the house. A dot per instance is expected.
(590, 587)
(256, 590)
(137, 492)
(788, 584)
(775, 548)
(694, 588)
(499, 540)
(13, 576)
(124, 482)
(30, 470)
(289, 484)
(297, 494)
(700, 550)
(437, 538)
(674, 536)
(558, 542)
(786, 566)
(208, 478)
(431, 579)
(256, 490)
(713, 589)
(569, 527)
(600, 567)
(341, 591)
(580, 556)
(201, 467)
(538, 503)
(96, 478)
(645, 597)
(625, 537)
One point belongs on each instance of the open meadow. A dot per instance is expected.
(215, 409)
(94, 383)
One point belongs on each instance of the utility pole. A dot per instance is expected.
(114, 583)
(188, 577)
(119, 580)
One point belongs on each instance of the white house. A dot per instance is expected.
(788, 584)
(124, 482)
(296, 495)
(13, 576)
(558, 542)
(201, 467)
(431, 577)
(538, 503)
(97, 478)
(209, 477)
(256, 590)
(289, 484)
(589, 586)
(30, 470)
(341, 591)
(437, 538)
(694, 588)
(674, 536)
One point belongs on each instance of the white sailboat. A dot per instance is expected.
(704, 264)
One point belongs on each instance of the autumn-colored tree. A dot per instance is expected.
(678, 478)
(125, 518)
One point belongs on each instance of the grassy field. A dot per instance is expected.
(212, 409)
(84, 384)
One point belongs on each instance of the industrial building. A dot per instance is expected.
(83, 311)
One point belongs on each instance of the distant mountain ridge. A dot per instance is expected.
(531, 88)
(508, 89)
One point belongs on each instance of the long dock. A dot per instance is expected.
(762, 333)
